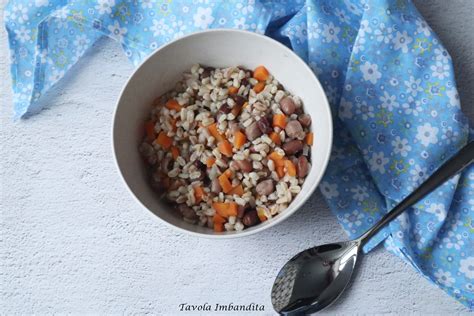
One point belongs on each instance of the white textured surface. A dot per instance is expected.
(74, 241)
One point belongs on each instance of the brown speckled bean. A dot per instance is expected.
(265, 187)
(250, 218)
(234, 127)
(264, 125)
(215, 186)
(287, 105)
(252, 131)
(244, 165)
(294, 130)
(305, 120)
(303, 166)
(292, 147)
(240, 211)
(187, 212)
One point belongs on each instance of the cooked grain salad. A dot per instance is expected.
(228, 147)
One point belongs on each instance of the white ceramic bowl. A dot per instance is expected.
(217, 48)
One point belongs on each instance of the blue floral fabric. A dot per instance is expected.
(388, 78)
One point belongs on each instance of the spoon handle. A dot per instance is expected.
(451, 167)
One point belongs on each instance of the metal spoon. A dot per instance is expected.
(316, 277)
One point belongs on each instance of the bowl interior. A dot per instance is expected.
(218, 48)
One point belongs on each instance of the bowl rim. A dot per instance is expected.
(281, 217)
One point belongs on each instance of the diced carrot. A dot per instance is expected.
(279, 120)
(239, 139)
(280, 170)
(218, 223)
(290, 168)
(173, 122)
(225, 148)
(210, 162)
(174, 152)
(225, 209)
(218, 227)
(228, 173)
(172, 104)
(150, 130)
(277, 159)
(245, 105)
(198, 193)
(233, 90)
(238, 189)
(163, 140)
(218, 219)
(225, 183)
(259, 87)
(261, 73)
(261, 214)
(275, 138)
(309, 138)
(215, 132)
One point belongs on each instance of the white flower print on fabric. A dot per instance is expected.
(401, 41)
(453, 241)
(422, 27)
(360, 193)
(427, 134)
(105, 6)
(371, 72)
(301, 32)
(364, 110)
(23, 34)
(56, 75)
(81, 42)
(160, 27)
(449, 135)
(146, 4)
(343, 17)
(352, 7)
(19, 13)
(246, 8)
(179, 28)
(442, 55)
(453, 97)
(364, 28)
(378, 161)
(389, 101)
(383, 34)
(401, 146)
(329, 190)
(413, 86)
(353, 219)
(345, 109)
(41, 3)
(203, 18)
(440, 70)
(444, 277)
(239, 23)
(314, 31)
(466, 266)
(330, 33)
(437, 209)
(412, 106)
(117, 32)
(418, 174)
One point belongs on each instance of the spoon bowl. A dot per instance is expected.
(314, 278)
